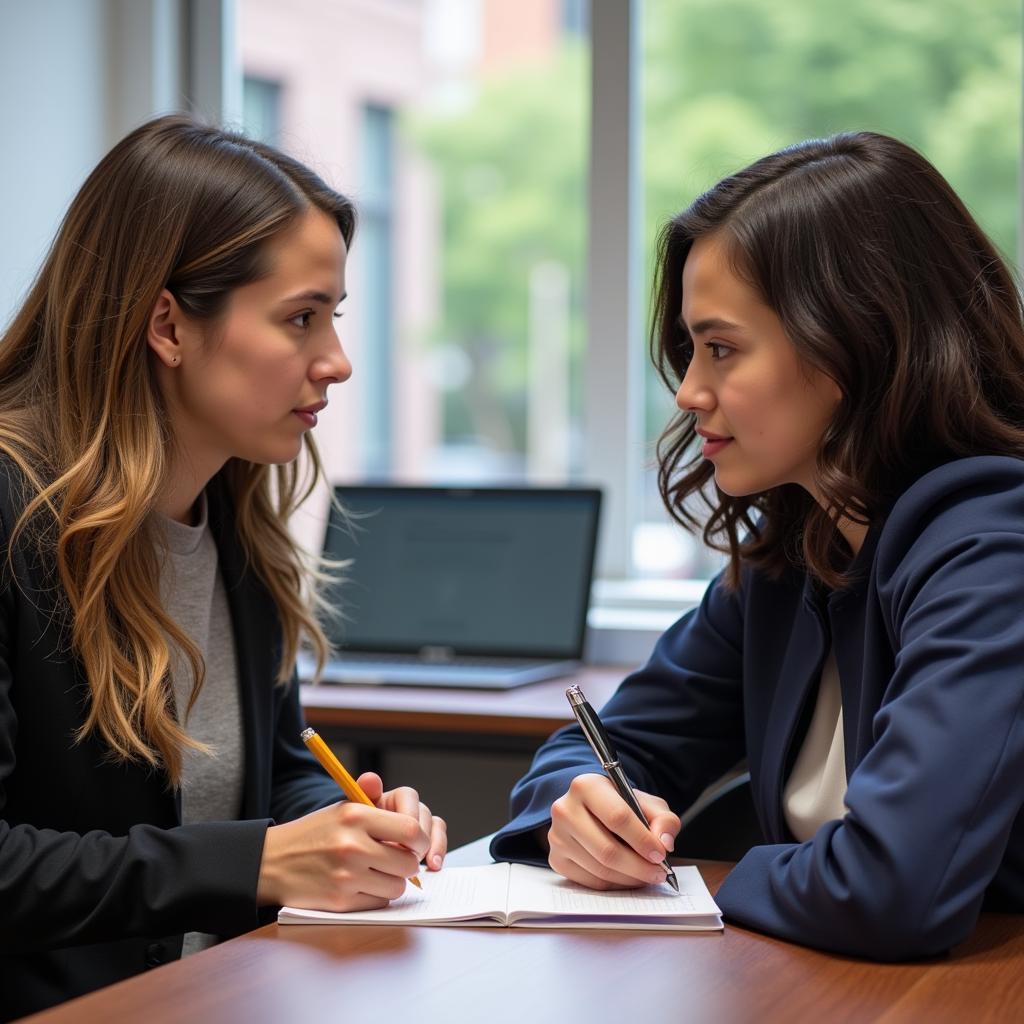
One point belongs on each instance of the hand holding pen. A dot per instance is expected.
(603, 833)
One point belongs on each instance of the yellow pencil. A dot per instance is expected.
(339, 773)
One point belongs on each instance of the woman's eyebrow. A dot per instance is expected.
(315, 296)
(713, 323)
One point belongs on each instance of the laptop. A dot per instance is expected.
(459, 586)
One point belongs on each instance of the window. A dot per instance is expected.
(261, 109)
(462, 129)
(459, 128)
(376, 209)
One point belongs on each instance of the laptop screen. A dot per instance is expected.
(489, 571)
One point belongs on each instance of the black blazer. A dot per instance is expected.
(99, 879)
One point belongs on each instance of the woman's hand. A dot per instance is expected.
(407, 801)
(596, 840)
(350, 856)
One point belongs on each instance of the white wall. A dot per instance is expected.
(76, 76)
(53, 125)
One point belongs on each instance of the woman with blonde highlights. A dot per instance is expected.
(154, 791)
(847, 352)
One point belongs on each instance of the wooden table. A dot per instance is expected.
(374, 718)
(313, 973)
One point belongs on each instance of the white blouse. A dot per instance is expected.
(816, 787)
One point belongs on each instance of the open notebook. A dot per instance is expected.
(517, 895)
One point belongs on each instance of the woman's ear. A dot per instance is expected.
(165, 329)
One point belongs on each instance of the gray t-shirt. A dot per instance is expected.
(192, 593)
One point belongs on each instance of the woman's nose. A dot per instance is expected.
(692, 393)
(333, 367)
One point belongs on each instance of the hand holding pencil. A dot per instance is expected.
(401, 801)
(352, 855)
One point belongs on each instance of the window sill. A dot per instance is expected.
(626, 617)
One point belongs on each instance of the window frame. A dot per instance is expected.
(613, 429)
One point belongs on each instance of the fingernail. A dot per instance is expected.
(667, 841)
(436, 861)
(656, 877)
(656, 856)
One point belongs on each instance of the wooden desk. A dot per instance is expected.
(512, 976)
(372, 718)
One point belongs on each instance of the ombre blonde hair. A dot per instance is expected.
(188, 207)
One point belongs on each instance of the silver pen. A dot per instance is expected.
(602, 747)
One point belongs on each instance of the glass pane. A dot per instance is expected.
(460, 129)
(261, 109)
(727, 81)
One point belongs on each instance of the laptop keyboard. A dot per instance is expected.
(456, 661)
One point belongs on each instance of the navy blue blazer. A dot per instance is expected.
(99, 879)
(929, 643)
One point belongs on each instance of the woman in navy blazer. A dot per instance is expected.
(848, 346)
(177, 344)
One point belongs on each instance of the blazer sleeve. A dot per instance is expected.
(60, 888)
(932, 804)
(677, 725)
(64, 888)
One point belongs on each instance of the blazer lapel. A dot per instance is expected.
(851, 632)
(788, 717)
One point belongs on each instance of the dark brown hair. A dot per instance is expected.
(883, 281)
(186, 206)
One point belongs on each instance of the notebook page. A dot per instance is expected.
(536, 893)
(452, 894)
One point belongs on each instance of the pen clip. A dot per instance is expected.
(592, 728)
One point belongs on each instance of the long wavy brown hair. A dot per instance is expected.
(188, 207)
(883, 281)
